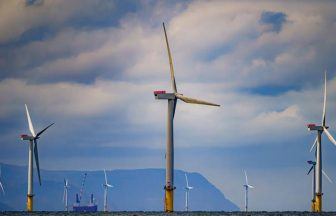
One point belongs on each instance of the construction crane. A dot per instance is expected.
(82, 187)
(77, 207)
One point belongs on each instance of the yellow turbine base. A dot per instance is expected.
(313, 206)
(318, 203)
(29, 203)
(169, 200)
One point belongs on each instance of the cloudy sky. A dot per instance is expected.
(92, 66)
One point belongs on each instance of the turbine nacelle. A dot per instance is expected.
(189, 188)
(311, 162)
(162, 95)
(107, 186)
(157, 92)
(316, 127)
(26, 137)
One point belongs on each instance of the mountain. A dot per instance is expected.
(134, 190)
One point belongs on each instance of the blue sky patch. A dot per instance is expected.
(274, 19)
(271, 90)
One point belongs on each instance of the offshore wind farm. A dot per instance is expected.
(77, 80)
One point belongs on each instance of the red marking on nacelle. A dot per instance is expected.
(23, 135)
(311, 125)
(159, 92)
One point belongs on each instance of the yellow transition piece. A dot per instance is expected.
(169, 200)
(318, 203)
(29, 203)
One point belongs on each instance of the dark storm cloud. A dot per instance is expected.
(41, 22)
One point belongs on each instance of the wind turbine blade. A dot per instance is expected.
(185, 174)
(39, 133)
(3, 190)
(194, 101)
(31, 128)
(329, 136)
(172, 75)
(324, 99)
(64, 194)
(105, 177)
(37, 161)
(311, 168)
(314, 144)
(246, 181)
(325, 174)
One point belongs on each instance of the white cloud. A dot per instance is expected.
(133, 58)
(256, 119)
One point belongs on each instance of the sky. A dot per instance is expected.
(92, 66)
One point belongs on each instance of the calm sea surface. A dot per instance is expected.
(173, 214)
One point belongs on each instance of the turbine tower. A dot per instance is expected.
(320, 129)
(246, 186)
(188, 188)
(2, 188)
(172, 100)
(65, 194)
(313, 163)
(312, 168)
(106, 187)
(33, 151)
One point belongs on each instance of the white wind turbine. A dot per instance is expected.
(187, 188)
(33, 151)
(172, 99)
(312, 168)
(106, 187)
(2, 188)
(246, 186)
(65, 194)
(320, 129)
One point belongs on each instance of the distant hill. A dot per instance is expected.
(134, 190)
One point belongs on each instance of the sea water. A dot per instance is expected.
(288, 213)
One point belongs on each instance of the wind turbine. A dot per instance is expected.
(106, 187)
(2, 188)
(33, 151)
(320, 129)
(312, 168)
(172, 100)
(65, 194)
(246, 186)
(188, 188)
